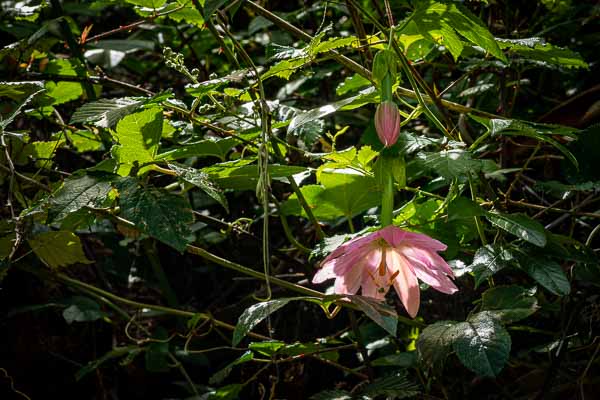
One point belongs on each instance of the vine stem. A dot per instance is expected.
(387, 198)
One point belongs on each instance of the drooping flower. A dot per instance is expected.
(389, 256)
(387, 123)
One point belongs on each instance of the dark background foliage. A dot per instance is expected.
(103, 294)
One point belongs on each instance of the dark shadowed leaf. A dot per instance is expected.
(520, 225)
(547, 273)
(509, 303)
(156, 212)
(77, 193)
(482, 344)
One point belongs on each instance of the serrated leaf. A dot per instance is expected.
(58, 248)
(455, 163)
(537, 49)
(547, 273)
(434, 343)
(483, 344)
(447, 18)
(340, 195)
(488, 260)
(201, 89)
(201, 180)
(331, 44)
(138, 136)
(541, 132)
(352, 84)
(240, 176)
(77, 193)
(521, 226)
(105, 113)
(156, 212)
(22, 93)
(205, 148)
(255, 314)
(509, 303)
(363, 97)
(396, 386)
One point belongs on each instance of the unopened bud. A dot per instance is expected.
(387, 123)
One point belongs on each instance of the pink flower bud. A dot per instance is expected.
(387, 123)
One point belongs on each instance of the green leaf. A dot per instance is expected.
(255, 314)
(547, 273)
(22, 93)
(202, 89)
(332, 44)
(58, 248)
(364, 97)
(536, 49)
(201, 180)
(268, 348)
(138, 136)
(396, 386)
(509, 303)
(105, 113)
(352, 84)
(445, 20)
(541, 132)
(85, 141)
(220, 375)
(77, 193)
(521, 226)
(158, 213)
(378, 312)
(461, 207)
(82, 309)
(488, 260)
(482, 345)
(236, 175)
(340, 195)
(455, 163)
(435, 342)
(205, 148)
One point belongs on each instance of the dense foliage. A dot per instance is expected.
(173, 172)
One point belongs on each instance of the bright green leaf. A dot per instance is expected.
(58, 248)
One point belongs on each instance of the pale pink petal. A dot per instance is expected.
(352, 245)
(324, 273)
(405, 282)
(434, 278)
(423, 241)
(371, 287)
(349, 283)
(425, 257)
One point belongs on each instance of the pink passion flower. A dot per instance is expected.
(389, 256)
(387, 123)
